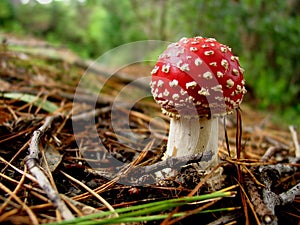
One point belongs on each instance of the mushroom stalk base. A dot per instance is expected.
(193, 135)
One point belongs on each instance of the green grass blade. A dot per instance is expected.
(38, 102)
(157, 217)
(144, 209)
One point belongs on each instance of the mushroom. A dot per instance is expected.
(195, 80)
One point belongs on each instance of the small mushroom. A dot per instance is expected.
(203, 80)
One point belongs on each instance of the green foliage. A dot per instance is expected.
(264, 34)
(38, 102)
(153, 211)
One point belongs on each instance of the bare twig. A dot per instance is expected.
(269, 174)
(32, 161)
(138, 175)
(263, 212)
(289, 196)
(269, 153)
(225, 219)
(295, 140)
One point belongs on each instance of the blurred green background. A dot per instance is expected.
(264, 34)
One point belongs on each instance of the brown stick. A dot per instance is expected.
(32, 162)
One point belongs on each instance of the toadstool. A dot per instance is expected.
(195, 80)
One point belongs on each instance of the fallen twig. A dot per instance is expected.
(268, 175)
(269, 153)
(289, 196)
(295, 140)
(138, 175)
(263, 212)
(32, 161)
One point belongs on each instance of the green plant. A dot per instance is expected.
(149, 211)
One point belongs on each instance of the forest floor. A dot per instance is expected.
(67, 150)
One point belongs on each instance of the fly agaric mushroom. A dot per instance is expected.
(194, 81)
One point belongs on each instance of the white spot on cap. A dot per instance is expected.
(183, 92)
(175, 96)
(155, 69)
(203, 91)
(185, 67)
(219, 98)
(198, 37)
(220, 74)
(229, 83)
(211, 52)
(160, 83)
(217, 88)
(213, 64)
(191, 85)
(152, 84)
(210, 40)
(190, 99)
(154, 93)
(224, 63)
(171, 103)
(207, 75)
(193, 49)
(198, 61)
(244, 90)
(166, 92)
(178, 63)
(240, 89)
(173, 83)
(223, 49)
(178, 104)
(165, 68)
(180, 52)
(162, 102)
(235, 72)
(164, 56)
(242, 69)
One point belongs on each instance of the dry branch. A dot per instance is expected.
(296, 142)
(32, 161)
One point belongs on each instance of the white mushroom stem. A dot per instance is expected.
(193, 135)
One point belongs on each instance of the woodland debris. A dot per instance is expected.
(295, 140)
(32, 161)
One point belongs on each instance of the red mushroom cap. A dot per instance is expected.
(197, 77)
